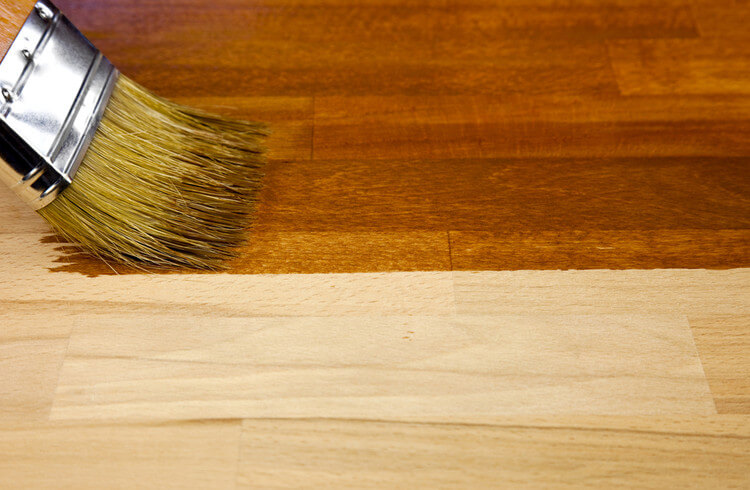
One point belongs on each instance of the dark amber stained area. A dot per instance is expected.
(476, 135)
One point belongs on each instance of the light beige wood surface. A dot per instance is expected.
(32, 348)
(724, 345)
(192, 454)
(518, 452)
(543, 452)
(379, 366)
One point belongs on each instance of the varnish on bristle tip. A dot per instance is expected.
(162, 185)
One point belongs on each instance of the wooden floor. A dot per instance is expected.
(501, 243)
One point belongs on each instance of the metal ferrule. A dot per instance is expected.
(54, 87)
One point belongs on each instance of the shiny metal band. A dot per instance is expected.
(54, 87)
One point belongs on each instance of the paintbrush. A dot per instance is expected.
(124, 174)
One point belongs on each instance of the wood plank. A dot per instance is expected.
(610, 249)
(555, 452)
(301, 71)
(724, 19)
(479, 21)
(33, 343)
(428, 293)
(160, 456)
(16, 217)
(379, 366)
(507, 195)
(336, 252)
(680, 292)
(424, 19)
(271, 252)
(471, 126)
(681, 66)
(723, 343)
(323, 48)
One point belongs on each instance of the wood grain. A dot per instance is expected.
(378, 344)
(481, 21)
(681, 292)
(543, 452)
(16, 217)
(552, 151)
(12, 16)
(33, 344)
(725, 19)
(404, 46)
(333, 252)
(668, 66)
(386, 19)
(386, 367)
(194, 454)
(508, 195)
(433, 164)
(599, 249)
(582, 125)
(723, 342)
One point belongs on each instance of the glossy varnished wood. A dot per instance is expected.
(579, 126)
(399, 316)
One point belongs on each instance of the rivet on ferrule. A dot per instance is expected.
(44, 13)
(7, 94)
(33, 174)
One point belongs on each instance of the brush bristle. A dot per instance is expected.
(162, 185)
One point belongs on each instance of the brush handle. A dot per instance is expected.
(12, 15)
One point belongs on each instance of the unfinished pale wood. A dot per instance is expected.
(616, 452)
(673, 291)
(724, 346)
(174, 366)
(17, 217)
(176, 455)
(32, 346)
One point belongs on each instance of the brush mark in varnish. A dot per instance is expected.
(501, 214)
